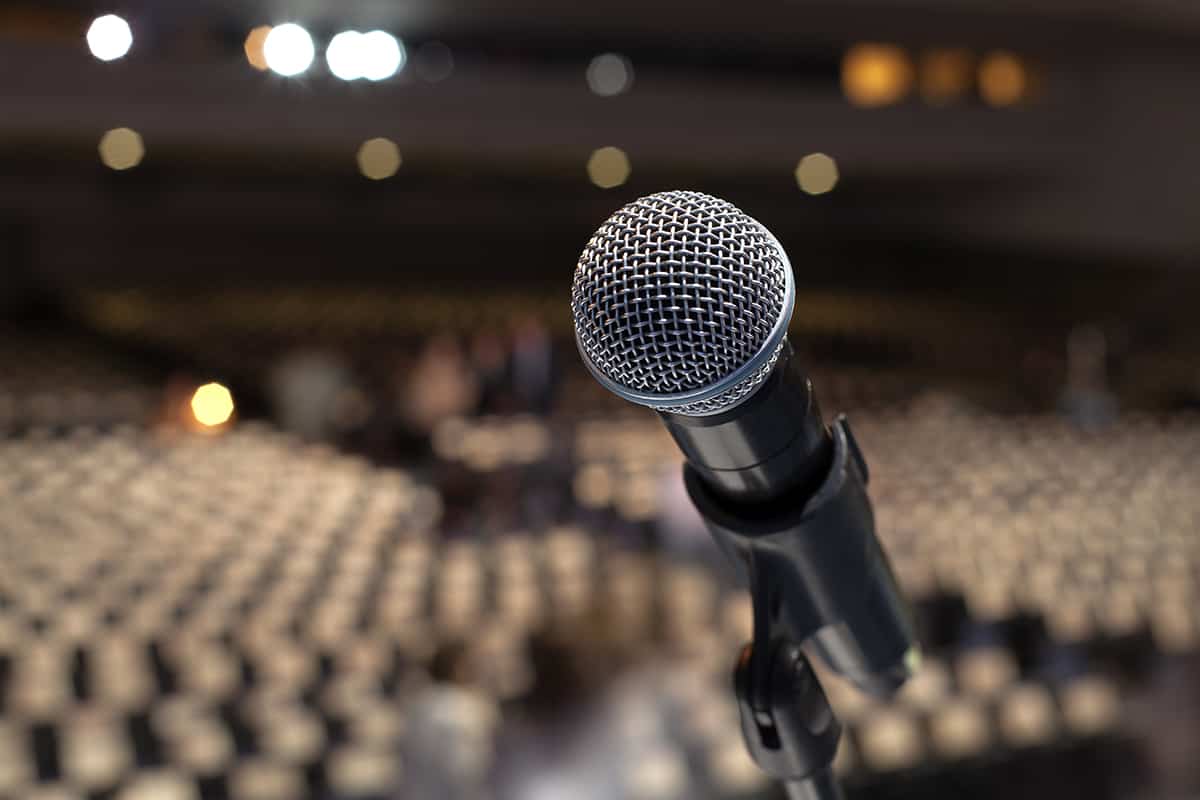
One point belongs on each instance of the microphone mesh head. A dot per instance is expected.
(677, 295)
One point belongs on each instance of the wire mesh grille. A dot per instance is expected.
(675, 292)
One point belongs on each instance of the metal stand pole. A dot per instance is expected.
(821, 786)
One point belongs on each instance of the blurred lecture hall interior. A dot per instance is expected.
(305, 491)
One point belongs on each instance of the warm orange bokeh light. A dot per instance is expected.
(254, 47)
(876, 74)
(212, 405)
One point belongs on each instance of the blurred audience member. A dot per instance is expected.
(533, 365)
(440, 385)
(1087, 399)
(490, 361)
(313, 394)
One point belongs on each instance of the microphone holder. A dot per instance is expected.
(794, 736)
(817, 576)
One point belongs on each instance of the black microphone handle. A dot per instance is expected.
(768, 447)
(817, 572)
(786, 497)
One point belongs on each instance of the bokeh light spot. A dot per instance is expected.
(608, 167)
(876, 74)
(379, 158)
(344, 55)
(121, 149)
(254, 47)
(945, 75)
(382, 55)
(817, 173)
(1003, 79)
(109, 37)
(609, 75)
(212, 405)
(288, 49)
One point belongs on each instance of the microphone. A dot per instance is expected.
(681, 303)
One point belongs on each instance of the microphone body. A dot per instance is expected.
(772, 443)
(681, 303)
(786, 497)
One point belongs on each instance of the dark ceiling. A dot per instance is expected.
(244, 167)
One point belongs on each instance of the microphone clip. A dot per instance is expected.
(817, 577)
(789, 729)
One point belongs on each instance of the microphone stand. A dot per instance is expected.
(817, 574)
(794, 737)
(822, 786)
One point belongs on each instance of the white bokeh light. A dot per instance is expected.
(610, 74)
(344, 55)
(382, 55)
(288, 49)
(109, 37)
